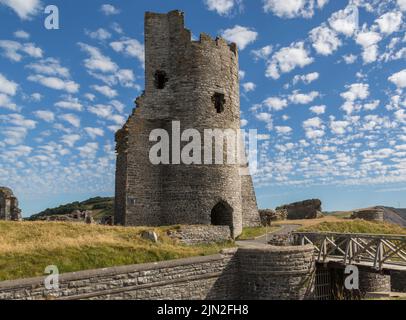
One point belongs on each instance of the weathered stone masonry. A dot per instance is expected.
(195, 83)
(265, 273)
(9, 205)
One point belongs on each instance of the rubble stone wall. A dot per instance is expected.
(265, 273)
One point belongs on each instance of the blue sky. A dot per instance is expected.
(326, 94)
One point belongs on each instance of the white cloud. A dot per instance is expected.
(325, 40)
(70, 103)
(100, 34)
(306, 78)
(372, 105)
(97, 61)
(55, 83)
(70, 139)
(390, 22)
(275, 103)
(5, 102)
(262, 53)
(109, 9)
(350, 58)
(402, 5)
(248, 86)
(13, 50)
(368, 38)
(94, 132)
(101, 110)
(105, 90)
(71, 119)
(343, 21)
(18, 120)
(267, 118)
(222, 7)
(399, 79)
(22, 34)
(318, 109)
(49, 66)
(25, 9)
(291, 8)
(36, 97)
(314, 128)
(45, 115)
(130, 47)
(89, 150)
(32, 50)
(339, 127)
(283, 129)
(287, 59)
(356, 91)
(7, 86)
(242, 36)
(303, 98)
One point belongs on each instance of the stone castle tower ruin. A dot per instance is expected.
(197, 84)
(9, 205)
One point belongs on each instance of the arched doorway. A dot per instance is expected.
(222, 214)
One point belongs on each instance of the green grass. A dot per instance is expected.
(26, 248)
(356, 226)
(250, 233)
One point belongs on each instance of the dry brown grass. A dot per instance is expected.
(309, 222)
(26, 248)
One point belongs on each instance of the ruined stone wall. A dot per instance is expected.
(373, 281)
(250, 211)
(9, 209)
(369, 214)
(194, 72)
(199, 234)
(308, 209)
(271, 273)
(277, 273)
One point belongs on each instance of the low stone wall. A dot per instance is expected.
(281, 240)
(374, 282)
(210, 277)
(263, 273)
(277, 273)
(200, 234)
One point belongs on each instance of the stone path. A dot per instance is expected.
(263, 240)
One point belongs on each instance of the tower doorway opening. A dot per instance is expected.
(222, 214)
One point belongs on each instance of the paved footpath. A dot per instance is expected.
(263, 240)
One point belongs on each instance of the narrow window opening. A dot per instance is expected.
(160, 79)
(219, 101)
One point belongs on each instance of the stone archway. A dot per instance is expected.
(222, 214)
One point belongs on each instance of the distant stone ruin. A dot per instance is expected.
(269, 215)
(370, 214)
(9, 205)
(308, 209)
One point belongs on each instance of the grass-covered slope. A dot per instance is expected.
(356, 226)
(101, 206)
(26, 248)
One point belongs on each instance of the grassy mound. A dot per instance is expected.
(102, 206)
(250, 233)
(356, 226)
(26, 248)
